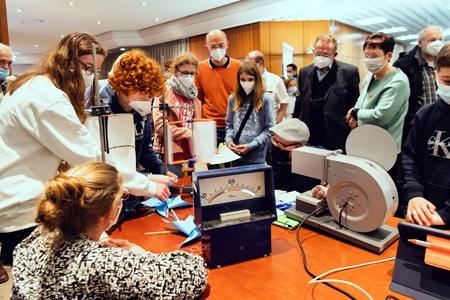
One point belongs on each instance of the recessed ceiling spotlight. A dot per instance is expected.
(62, 35)
(99, 22)
(156, 19)
(19, 10)
(371, 21)
(143, 4)
(122, 49)
(70, 3)
(36, 46)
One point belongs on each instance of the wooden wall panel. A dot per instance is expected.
(4, 36)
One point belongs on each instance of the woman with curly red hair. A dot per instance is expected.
(133, 81)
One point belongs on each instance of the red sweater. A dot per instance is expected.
(215, 85)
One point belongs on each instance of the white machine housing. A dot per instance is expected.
(367, 188)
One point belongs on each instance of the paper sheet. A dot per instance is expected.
(225, 155)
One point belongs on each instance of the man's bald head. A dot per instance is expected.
(216, 35)
(258, 58)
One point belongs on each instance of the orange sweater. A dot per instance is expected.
(215, 85)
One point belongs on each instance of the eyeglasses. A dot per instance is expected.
(3, 63)
(186, 73)
(88, 69)
(278, 143)
(218, 46)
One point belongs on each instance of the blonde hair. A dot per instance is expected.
(136, 71)
(289, 80)
(249, 67)
(327, 38)
(61, 66)
(75, 200)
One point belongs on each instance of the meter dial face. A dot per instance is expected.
(231, 188)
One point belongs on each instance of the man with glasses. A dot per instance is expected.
(328, 89)
(5, 67)
(287, 136)
(216, 80)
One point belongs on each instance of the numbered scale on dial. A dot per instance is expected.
(235, 187)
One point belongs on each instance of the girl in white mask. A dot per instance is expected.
(72, 213)
(179, 96)
(252, 141)
(294, 95)
(385, 91)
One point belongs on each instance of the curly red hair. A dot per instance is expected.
(136, 71)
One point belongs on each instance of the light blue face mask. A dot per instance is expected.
(443, 91)
(3, 74)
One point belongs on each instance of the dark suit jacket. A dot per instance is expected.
(341, 95)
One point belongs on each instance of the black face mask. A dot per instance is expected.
(281, 156)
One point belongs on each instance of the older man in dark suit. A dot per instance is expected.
(328, 89)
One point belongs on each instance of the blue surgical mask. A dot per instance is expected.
(292, 90)
(443, 91)
(3, 74)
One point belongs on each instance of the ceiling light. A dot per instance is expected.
(36, 46)
(70, 3)
(19, 10)
(122, 49)
(407, 37)
(393, 29)
(371, 21)
(156, 19)
(143, 4)
(62, 35)
(99, 22)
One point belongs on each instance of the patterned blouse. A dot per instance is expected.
(81, 268)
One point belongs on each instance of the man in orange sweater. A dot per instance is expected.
(216, 80)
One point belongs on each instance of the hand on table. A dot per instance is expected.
(319, 192)
(422, 212)
(124, 244)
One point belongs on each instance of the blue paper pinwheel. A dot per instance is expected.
(187, 227)
(162, 207)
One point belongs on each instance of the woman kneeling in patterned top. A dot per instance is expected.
(63, 258)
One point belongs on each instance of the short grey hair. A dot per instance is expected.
(421, 35)
(4, 47)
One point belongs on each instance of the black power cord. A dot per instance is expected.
(297, 234)
(340, 214)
